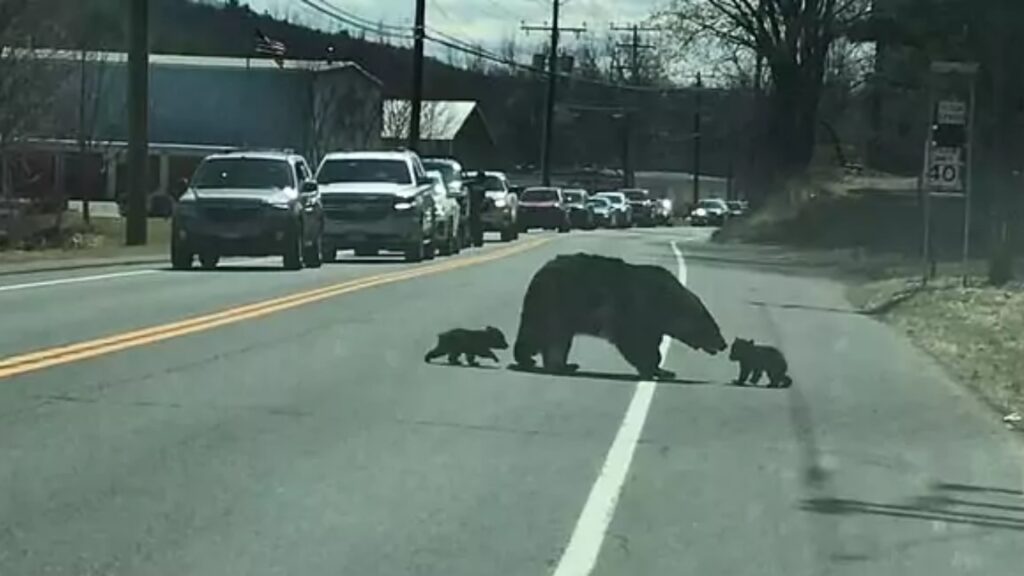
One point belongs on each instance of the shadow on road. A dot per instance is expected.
(268, 268)
(990, 508)
(611, 377)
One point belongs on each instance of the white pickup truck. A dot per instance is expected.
(377, 201)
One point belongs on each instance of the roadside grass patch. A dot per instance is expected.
(976, 333)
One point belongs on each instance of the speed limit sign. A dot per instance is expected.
(945, 169)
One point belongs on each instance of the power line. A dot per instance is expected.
(455, 43)
(362, 24)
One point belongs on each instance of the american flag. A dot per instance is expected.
(267, 46)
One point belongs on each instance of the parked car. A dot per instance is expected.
(451, 170)
(664, 212)
(581, 215)
(604, 215)
(501, 205)
(378, 201)
(737, 208)
(447, 214)
(544, 207)
(710, 212)
(621, 209)
(249, 204)
(642, 204)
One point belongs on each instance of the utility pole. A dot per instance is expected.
(419, 32)
(697, 139)
(138, 122)
(547, 141)
(634, 46)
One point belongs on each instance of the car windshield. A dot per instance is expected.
(635, 195)
(735, 205)
(251, 173)
(599, 202)
(493, 184)
(574, 196)
(614, 199)
(540, 195)
(340, 171)
(447, 169)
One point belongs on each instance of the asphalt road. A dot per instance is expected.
(290, 426)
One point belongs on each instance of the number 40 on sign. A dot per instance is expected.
(945, 171)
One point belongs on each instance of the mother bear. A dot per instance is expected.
(631, 306)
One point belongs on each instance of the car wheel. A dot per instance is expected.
(414, 252)
(313, 252)
(430, 251)
(445, 243)
(292, 257)
(508, 234)
(209, 260)
(181, 257)
(328, 253)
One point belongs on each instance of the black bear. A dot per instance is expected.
(471, 343)
(755, 361)
(631, 306)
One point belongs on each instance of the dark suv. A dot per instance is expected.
(249, 204)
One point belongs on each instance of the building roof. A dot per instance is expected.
(209, 62)
(439, 119)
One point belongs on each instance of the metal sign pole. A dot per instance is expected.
(968, 180)
(926, 199)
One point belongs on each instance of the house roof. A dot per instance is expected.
(186, 61)
(440, 120)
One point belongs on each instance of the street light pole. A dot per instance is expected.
(549, 108)
(415, 111)
(138, 122)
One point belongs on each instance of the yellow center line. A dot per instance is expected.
(30, 362)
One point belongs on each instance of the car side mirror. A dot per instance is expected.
(309, 187)
(181, 187)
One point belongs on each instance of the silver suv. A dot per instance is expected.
(249, 204)
(377, 201)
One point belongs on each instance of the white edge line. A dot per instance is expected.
(580, 556)
(111, 276)
(75, 280)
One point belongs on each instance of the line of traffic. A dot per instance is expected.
(34, 361)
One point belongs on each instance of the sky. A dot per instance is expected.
(483, 22)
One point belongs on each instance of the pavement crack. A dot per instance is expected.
(479, 428)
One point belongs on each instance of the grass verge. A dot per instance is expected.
(976, 333)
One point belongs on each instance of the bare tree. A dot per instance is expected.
(24, 97)
(345, 116)
(436, 118)
(794, 38)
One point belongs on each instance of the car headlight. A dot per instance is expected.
(500, 202)
(404, 205)
(700, 212)
(279, 205)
